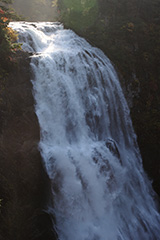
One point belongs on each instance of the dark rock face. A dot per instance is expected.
(24, 185)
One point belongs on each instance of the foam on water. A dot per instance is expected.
(100, 191)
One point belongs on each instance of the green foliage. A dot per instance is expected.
(77, 14)
(7, 37)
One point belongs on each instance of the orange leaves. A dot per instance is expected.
(4, 19)
(3, 22)
(129, 27)
(1, 11)
(11, 34)
(12, 59)
(8, 37)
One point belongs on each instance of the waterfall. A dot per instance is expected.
(88, 145)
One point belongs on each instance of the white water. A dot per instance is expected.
(100, 191)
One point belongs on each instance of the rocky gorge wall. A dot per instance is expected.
(24, 186)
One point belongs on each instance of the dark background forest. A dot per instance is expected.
(128, 31)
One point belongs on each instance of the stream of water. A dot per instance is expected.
(88, 145)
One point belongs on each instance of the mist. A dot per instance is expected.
(35, 10)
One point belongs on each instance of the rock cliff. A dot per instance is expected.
(24, 186)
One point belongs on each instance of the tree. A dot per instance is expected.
(7, 35)
(77, 14)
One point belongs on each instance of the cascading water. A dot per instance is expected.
(88, 145)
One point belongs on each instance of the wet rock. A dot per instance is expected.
(112, 146)
(25, 186)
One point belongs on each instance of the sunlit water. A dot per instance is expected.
(88, 145)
